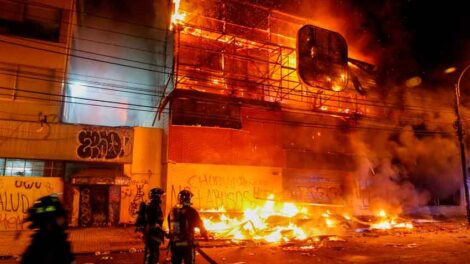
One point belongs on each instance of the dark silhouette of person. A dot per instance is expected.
(182, 221)
(49, 244)
(149, 221)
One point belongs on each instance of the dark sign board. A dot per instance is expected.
(322, 58)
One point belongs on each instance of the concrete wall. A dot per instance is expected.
(17, 194)
(33, 140)
(214, 186)
(28, 64)
(145, 171)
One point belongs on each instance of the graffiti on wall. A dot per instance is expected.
(94, 206)
(137, 199)
(114, 203)
(320, 189)
(85, 207)
(17, 194)
(231, 187)
(132, 196)
(104, 144)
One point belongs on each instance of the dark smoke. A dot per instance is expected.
(416, 162)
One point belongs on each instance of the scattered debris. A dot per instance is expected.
(412, 245)
(299, 248)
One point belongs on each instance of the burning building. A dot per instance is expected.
(242, 125)
(234, 100)
(262, 104)
(219, 78)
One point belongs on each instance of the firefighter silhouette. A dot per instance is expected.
(182, 221)
(149, 221)
(49, 244)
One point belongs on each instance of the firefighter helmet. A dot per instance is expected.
(45, 210)
(184, 197)
(156, 193)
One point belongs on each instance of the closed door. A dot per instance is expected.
(93, 206)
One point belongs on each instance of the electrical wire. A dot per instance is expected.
(237, 80)
(156, 65)
(73, 55)
(107, 101)
(134, 60)
(98, 88)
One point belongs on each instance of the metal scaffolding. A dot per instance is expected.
(218, 51)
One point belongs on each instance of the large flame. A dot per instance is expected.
(277, 222)
(272, 222)
(389, 222)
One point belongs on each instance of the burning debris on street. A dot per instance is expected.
(285, 222)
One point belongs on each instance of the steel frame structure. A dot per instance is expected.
(216, 55)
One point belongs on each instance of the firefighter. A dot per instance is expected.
(182, 220)
(49, 244)
(149, 221)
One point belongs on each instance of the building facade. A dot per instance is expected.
(105, 99)
(43, 149)
(241, 123)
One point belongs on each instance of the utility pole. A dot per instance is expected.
(460, 135)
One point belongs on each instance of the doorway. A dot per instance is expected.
(93, 205)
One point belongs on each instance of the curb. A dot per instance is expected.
(87, 253)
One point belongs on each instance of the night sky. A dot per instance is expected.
(411, 37)
(422, 37)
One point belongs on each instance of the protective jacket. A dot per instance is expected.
(149, 221)
(182, 221)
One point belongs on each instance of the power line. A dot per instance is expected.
(154, 94)
(104, 88)
(265, 120)
(98, 54)
(79, 98)
(156, 65)
(51, 94)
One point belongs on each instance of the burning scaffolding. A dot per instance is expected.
(248, 51)
(234, 49)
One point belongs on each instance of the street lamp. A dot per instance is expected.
(459, 126)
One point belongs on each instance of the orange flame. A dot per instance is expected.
(275, 222)
(177, 17)
(389, 222)
(255, 223)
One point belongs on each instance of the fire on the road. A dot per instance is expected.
(277, 222)
(389, 222)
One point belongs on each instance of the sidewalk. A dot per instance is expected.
(84, 240)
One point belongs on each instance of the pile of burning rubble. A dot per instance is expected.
(285, 222)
